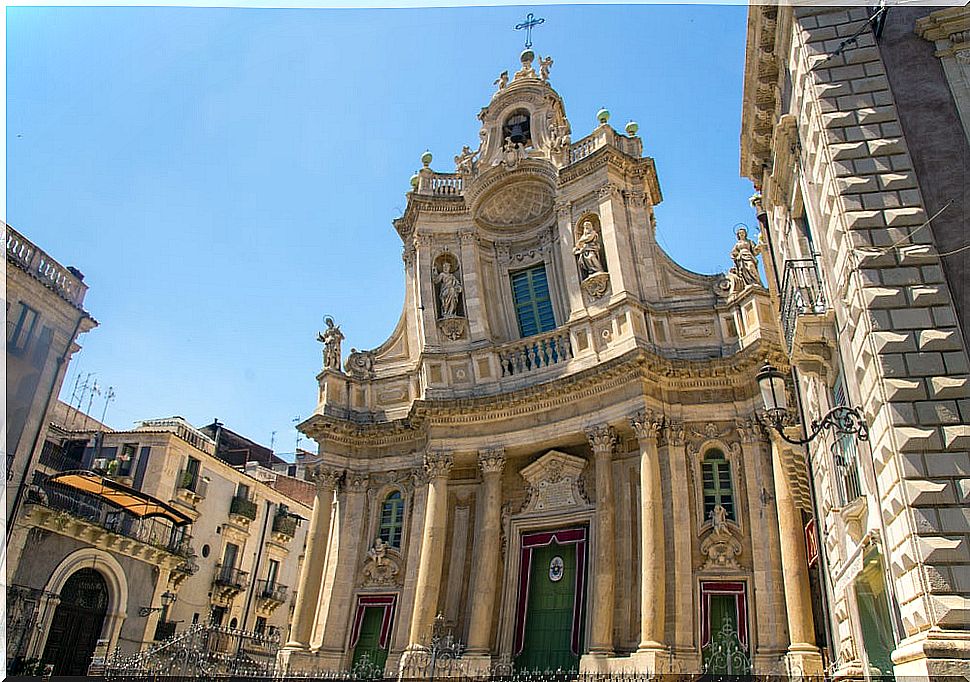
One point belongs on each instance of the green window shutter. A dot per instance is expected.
(533, 306)
(392, 520)
(718, 490)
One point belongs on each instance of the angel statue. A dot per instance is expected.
(545, 63)
(502, 80)
(465, 161)
(331, 339)
(449, 290)
(588, 251)
(745, 270)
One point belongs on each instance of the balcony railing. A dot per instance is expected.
(272, 591)
(535, 353)
(66, 282)
(243, 506)
(847, 470)
(230, 576)
(446, 184)
(91, 509)
(801, 294)
(183, 430)
(284, 524)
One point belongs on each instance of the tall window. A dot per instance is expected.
(533, 307)
(392, 519)
(716, 472)
(23, 329)
(844, 452)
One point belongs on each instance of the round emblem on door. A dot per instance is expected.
(555, 569)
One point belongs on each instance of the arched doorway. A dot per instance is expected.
(77, 623)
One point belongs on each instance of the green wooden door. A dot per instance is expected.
(369, 658)
(549, 617)
(724, 654)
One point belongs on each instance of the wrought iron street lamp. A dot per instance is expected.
(168, 598)
(844, 420)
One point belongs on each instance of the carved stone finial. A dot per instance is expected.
(438, 463)
(647, 425)
(602, 439)
(491, 460)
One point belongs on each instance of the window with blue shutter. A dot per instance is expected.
(533, 307)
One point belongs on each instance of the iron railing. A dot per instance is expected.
(284, 524)
(243, 506)
(272, 591)
(230, 576)
(165, 629)
(801, 294)
(847, 469)
(92, 509)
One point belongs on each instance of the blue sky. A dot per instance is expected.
(226, 177)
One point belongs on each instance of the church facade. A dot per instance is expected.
(556, 456)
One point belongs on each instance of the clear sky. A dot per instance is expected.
(226, 177)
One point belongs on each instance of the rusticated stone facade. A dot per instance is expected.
(852, 133)
(555, 381)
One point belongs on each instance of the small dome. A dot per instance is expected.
(414, 181)
(632, 128)
(603, 115)
(426, 158)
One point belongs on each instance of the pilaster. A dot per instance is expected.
(603, 440)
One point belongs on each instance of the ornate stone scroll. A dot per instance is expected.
(554, 482)
(380, 568)
(721, 547)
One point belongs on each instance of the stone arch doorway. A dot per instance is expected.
(77, 623)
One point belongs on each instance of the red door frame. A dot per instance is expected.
(385, 601)
(736, 588)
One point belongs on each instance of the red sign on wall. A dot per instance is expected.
(811, 542)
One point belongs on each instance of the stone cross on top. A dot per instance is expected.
(529, 23)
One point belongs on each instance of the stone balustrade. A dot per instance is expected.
(65, 281)
(447, 184)
(535, 353)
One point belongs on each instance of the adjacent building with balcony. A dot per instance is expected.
(129, 537)
(557, 449)
(45, 317)
(855, 134)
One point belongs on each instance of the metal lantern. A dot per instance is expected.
(772, 384)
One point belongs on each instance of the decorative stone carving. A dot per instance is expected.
(720, 546)
(512, 153)
(647, 425)
(438, 463)
(453, 328)
(745, 271)
(465, 162)
(502, 81)
(587, 250)
(357, 482)
(564, 209)
(553, 481)
(749, 430)
(360, 364)
(324, 477)
(331, 338)
(491, 460)
(675, 433)
(545, 63)
(602, 439)
(596, 285)
(520, 204)
(607, 191)
(380, 568)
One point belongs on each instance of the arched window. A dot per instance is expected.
(392, 519)
(716, 471)
(517, 128)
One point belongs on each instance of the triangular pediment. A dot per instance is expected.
(554, 482)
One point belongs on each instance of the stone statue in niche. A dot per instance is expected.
(449, 290)
(588, 251)
(331, 338)
(745, 271)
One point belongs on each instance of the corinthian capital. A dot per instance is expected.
(564, 209)
(324, 477)
(607, 191)
(647, 425)
(602, 439)
(437, 463)
(491, 460)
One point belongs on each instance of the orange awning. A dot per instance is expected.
(121, 496)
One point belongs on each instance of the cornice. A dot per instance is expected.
(761, 94)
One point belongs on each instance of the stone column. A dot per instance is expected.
(652, 591)
(566, 241)
(492, 463)
(438, 465)
(311, 574)
(602, 439)
(803, 656)
(474, 291)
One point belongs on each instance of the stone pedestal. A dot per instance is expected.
(804, 660)
(935, 654)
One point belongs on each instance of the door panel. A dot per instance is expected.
(549, 616)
